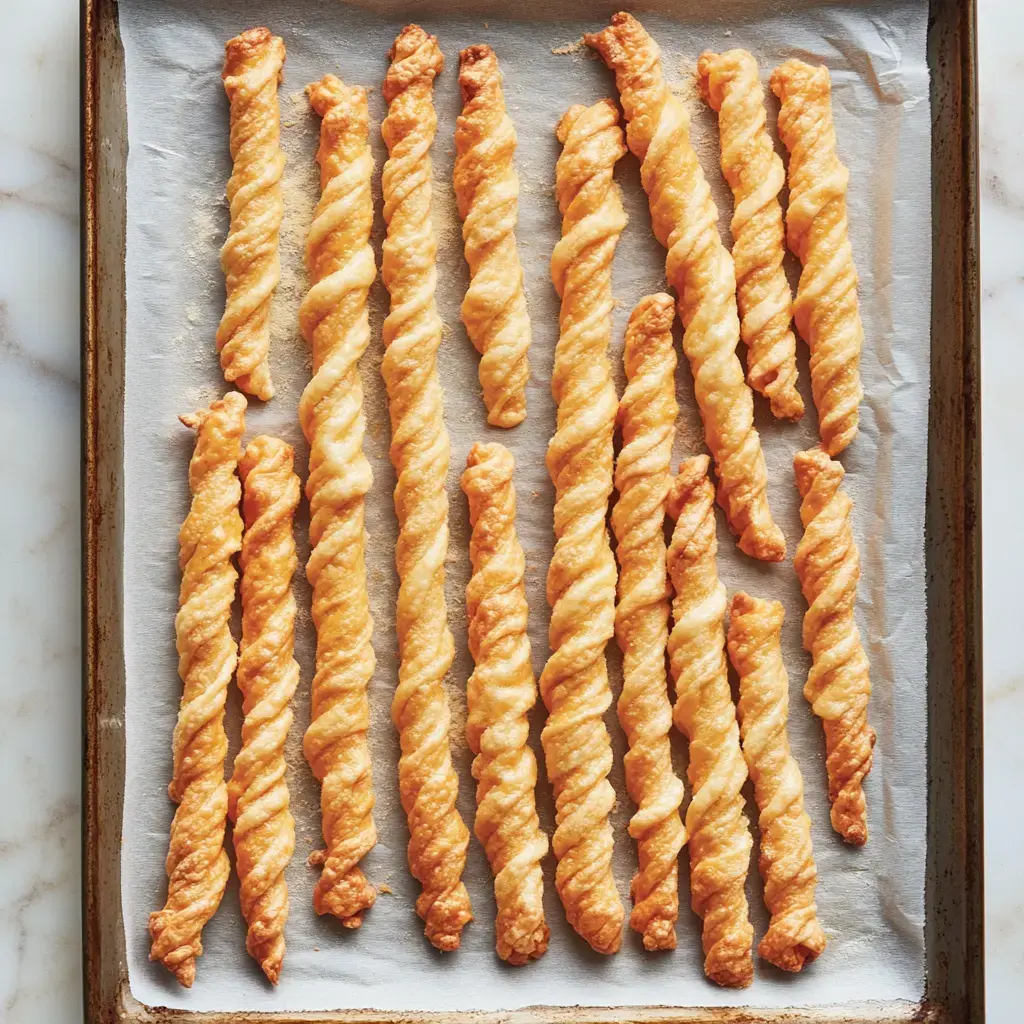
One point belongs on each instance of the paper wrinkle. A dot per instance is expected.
(871, 900)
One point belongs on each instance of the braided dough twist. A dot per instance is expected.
(487, 190)
(701, 271)
(420, 452)
(826, 309)
(715, 822)
(197, 864)
(786, 860)
(838, 685)
(264, 831)
(581, 576)
(499, 693)
(249, 258)
(334, 321)
(729, 82)
(647, 413)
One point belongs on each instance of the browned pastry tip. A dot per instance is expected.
(415, 58)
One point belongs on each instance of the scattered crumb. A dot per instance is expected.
(728, 33)
(316, 949)
(316, 859)
(566, 48)
(384, 889)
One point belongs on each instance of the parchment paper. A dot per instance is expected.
(870, 900)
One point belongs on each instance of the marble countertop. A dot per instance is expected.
(40, 736)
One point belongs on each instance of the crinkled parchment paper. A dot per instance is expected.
(870, 900)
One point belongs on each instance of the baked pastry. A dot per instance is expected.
(838, 684)
(197, 864)
(729, 82)
(487, 191)
(581, 576)
(249, 258)
(826, 309)
(499, 694)
(264, 831)
(420, 453)
(716, 825)
(333, 318)
(700, 270)
(647, 413)
(786, 860)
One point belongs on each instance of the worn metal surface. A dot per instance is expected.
(954, 931)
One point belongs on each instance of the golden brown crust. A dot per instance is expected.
(729, 82)
(500, 693)
(701, 271)
(581, 576)
(647, 413)
(786, 860)
(197, 863)
(826, 308)
(838, 685)
(487, 190)
(249, 258)
(716, 825)
(264, 831)
(334, 321)
(420, 453)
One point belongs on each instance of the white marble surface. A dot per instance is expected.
(40, 978)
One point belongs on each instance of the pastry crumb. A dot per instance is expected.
(566, 48)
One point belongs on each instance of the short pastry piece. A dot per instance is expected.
(826, 309)
(715, 823)
(264, 831)
(487, 190)
(794, 936)
(499, 694)
(249, 258)
(730, 83)
(334, 321)
(581, 576)
(838, 685)
(647, 413)
(197, 864)
(701, 271)
(420, 453)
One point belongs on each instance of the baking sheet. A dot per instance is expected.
(871, 900)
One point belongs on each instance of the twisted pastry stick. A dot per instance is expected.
(500, 692)
(826, 309)
(701, 271)
(197, 864)
(487, 190)
(420, 452)
(729, 82)
(715, 823)
(249, 258)
(786, 860)
(581, 577)
(264, 832)
(334, 321)
(642, 477)
(838, 685)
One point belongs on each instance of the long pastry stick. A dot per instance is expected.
(420, 453)
(499, 694)
(826, 309)
(334, 321)
(249, 258)
(716, 825)
(701, 271)
(264, 831)
(786, 860)
(838, 685)
(487, 190)
(647, 413)
(197, 864)
(581, 576)
(729, 82)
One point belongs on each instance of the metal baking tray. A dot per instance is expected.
(954, 905)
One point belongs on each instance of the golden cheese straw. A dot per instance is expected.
(420, 452)
(334, 321)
